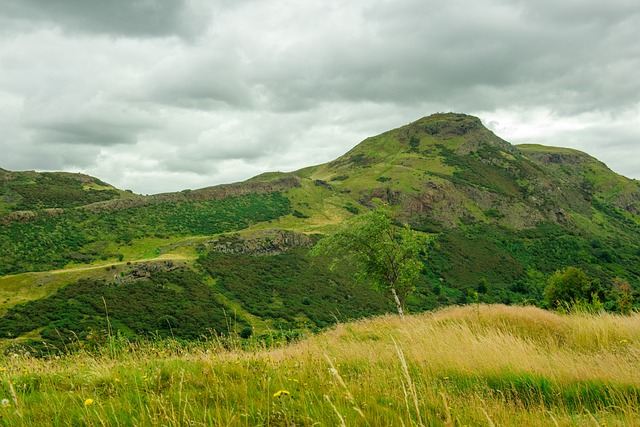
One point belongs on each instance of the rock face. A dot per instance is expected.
(270, 242)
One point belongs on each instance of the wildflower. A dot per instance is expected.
(88, 402)
(623, 341)
(5, 403)
(281, 393)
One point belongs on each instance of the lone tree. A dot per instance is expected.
(388, 255)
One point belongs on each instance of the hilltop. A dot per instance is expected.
(504, 218)
(30, 190)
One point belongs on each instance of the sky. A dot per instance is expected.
(165, 95)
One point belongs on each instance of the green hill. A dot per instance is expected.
(28, 191)
(504, 219)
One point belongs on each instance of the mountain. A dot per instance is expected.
(504, 218)
(448, 170)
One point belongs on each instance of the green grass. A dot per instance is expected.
(475, 365)
(21, 288)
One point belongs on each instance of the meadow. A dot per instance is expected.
(468, 365)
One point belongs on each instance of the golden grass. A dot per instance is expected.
(473, 365)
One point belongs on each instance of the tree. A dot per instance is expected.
(569, 286)
(388, 255)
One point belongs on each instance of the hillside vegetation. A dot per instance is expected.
(25, 191)
(503, 220)
(49, 242)
(472, 365)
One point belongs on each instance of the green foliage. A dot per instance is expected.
(51, 242)
(487, 169)
(388, 255)
(623, 295)
(569, 286)
(352, 208)
(466, 257)
(493, 213)
(414, 144)
(172, 304)
(54, 190)
(291, 290)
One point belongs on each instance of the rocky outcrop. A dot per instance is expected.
(629, 198)
(143, 270)
(270, 242)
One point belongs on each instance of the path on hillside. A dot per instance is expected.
(163, 257)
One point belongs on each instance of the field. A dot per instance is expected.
(471, 365)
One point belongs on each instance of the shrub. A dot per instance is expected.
(246, 332)
(568, 287)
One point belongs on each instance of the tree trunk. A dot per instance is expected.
(398, 304)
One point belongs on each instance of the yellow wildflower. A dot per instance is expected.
(281, 393)
(88, 402)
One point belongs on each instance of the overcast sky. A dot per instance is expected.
(164, 95)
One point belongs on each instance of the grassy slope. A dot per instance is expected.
(473, 365)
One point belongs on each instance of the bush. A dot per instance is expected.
(246, 332)
(568, 287)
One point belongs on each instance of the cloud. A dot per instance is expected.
(146, 18)
(198, 78)
(195, 92)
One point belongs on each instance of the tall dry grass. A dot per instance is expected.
(473, 365)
